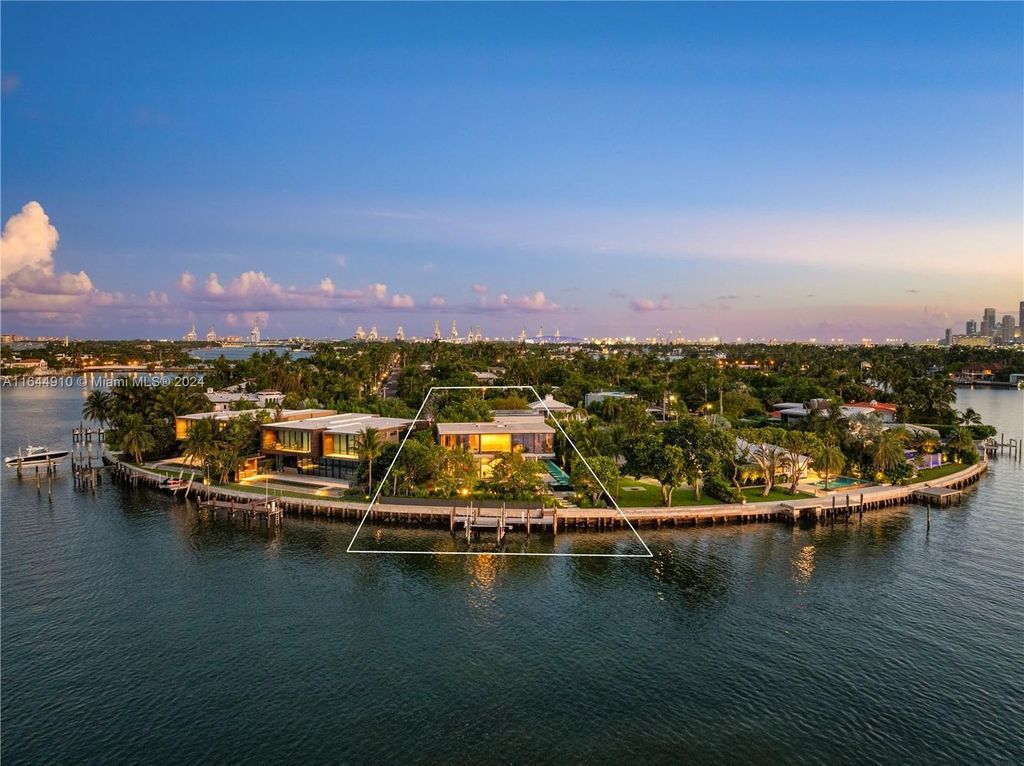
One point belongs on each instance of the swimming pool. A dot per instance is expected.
(840, 482)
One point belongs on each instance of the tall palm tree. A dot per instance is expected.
(369, 445)
(887, 452)
(829, 459)
(136, 436)
(960, 441)
(969, 417)
(99, 406)
(201, 443)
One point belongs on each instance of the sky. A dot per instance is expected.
(740, 170)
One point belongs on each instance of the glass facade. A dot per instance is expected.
(293, 441)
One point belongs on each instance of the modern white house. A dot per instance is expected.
(599, 396)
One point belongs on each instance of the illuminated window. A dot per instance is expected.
(495, 443)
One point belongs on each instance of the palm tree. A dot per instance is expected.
(960, 441)
(887, 452)
(969, 417)
(829, 459)
(136, 437)
(99, 406)
(201, 443)
(369, 445)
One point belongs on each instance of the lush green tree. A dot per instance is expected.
(99, 406)
(651, 456)
(828, 459)
(586, 482)
(369, 443)
(706, 448)
(136, 436)
(961, 444)
(457, 472)
(201, 443)
(887, 451)
(513, 477)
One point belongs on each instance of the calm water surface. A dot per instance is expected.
(133, 631)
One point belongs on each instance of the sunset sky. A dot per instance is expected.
(754, 170)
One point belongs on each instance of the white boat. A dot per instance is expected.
(29, 456)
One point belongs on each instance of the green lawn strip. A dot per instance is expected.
(777, 495)
(930, 474)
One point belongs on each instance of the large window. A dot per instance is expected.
(294, 441)
(495, 442)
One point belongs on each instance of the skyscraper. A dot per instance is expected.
(1006, 328)
(949, 337)
(988, 323)
(1020, 316)
(971, 328)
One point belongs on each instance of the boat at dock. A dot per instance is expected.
(35, 456)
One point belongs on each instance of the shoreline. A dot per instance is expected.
(397, 510)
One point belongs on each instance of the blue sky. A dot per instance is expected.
(780, 170)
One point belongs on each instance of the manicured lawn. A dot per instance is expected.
(649, 495)
(638, 494)
(930, 474)
(777, 495)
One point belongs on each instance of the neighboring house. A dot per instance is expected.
(326, 446)
(183, 424)
(552, 405)
(600, 396)
(485, 378)
(530, 436)
(228, 399)
(30, 366)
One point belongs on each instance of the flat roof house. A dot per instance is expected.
(529, 435)
(326, 446)
(599, 396)
(183, 423)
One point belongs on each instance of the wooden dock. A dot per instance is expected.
(266, 511)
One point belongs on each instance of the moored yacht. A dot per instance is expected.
(29, 456)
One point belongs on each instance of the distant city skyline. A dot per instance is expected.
(753, 171)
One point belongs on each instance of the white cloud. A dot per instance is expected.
(646, 304)
(480, 289)
(399, 301)
(438, 300)
(28, 240)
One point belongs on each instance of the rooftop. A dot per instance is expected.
(519, 425)
(342, 423)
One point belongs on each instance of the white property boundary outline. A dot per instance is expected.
(556, 554)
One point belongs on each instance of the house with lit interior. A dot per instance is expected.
(183, 424)
(531, 436)
(326, 446)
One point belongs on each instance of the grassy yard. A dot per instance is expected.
(647, 495)
(930, 474)
(777, 495)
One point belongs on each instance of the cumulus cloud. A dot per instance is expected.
(28, 240)
(399, 301)
(646, 304)
(480, 289)
(29, 281)
(536, 302)
(438, 300)
(378, 291)
(187, 282)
